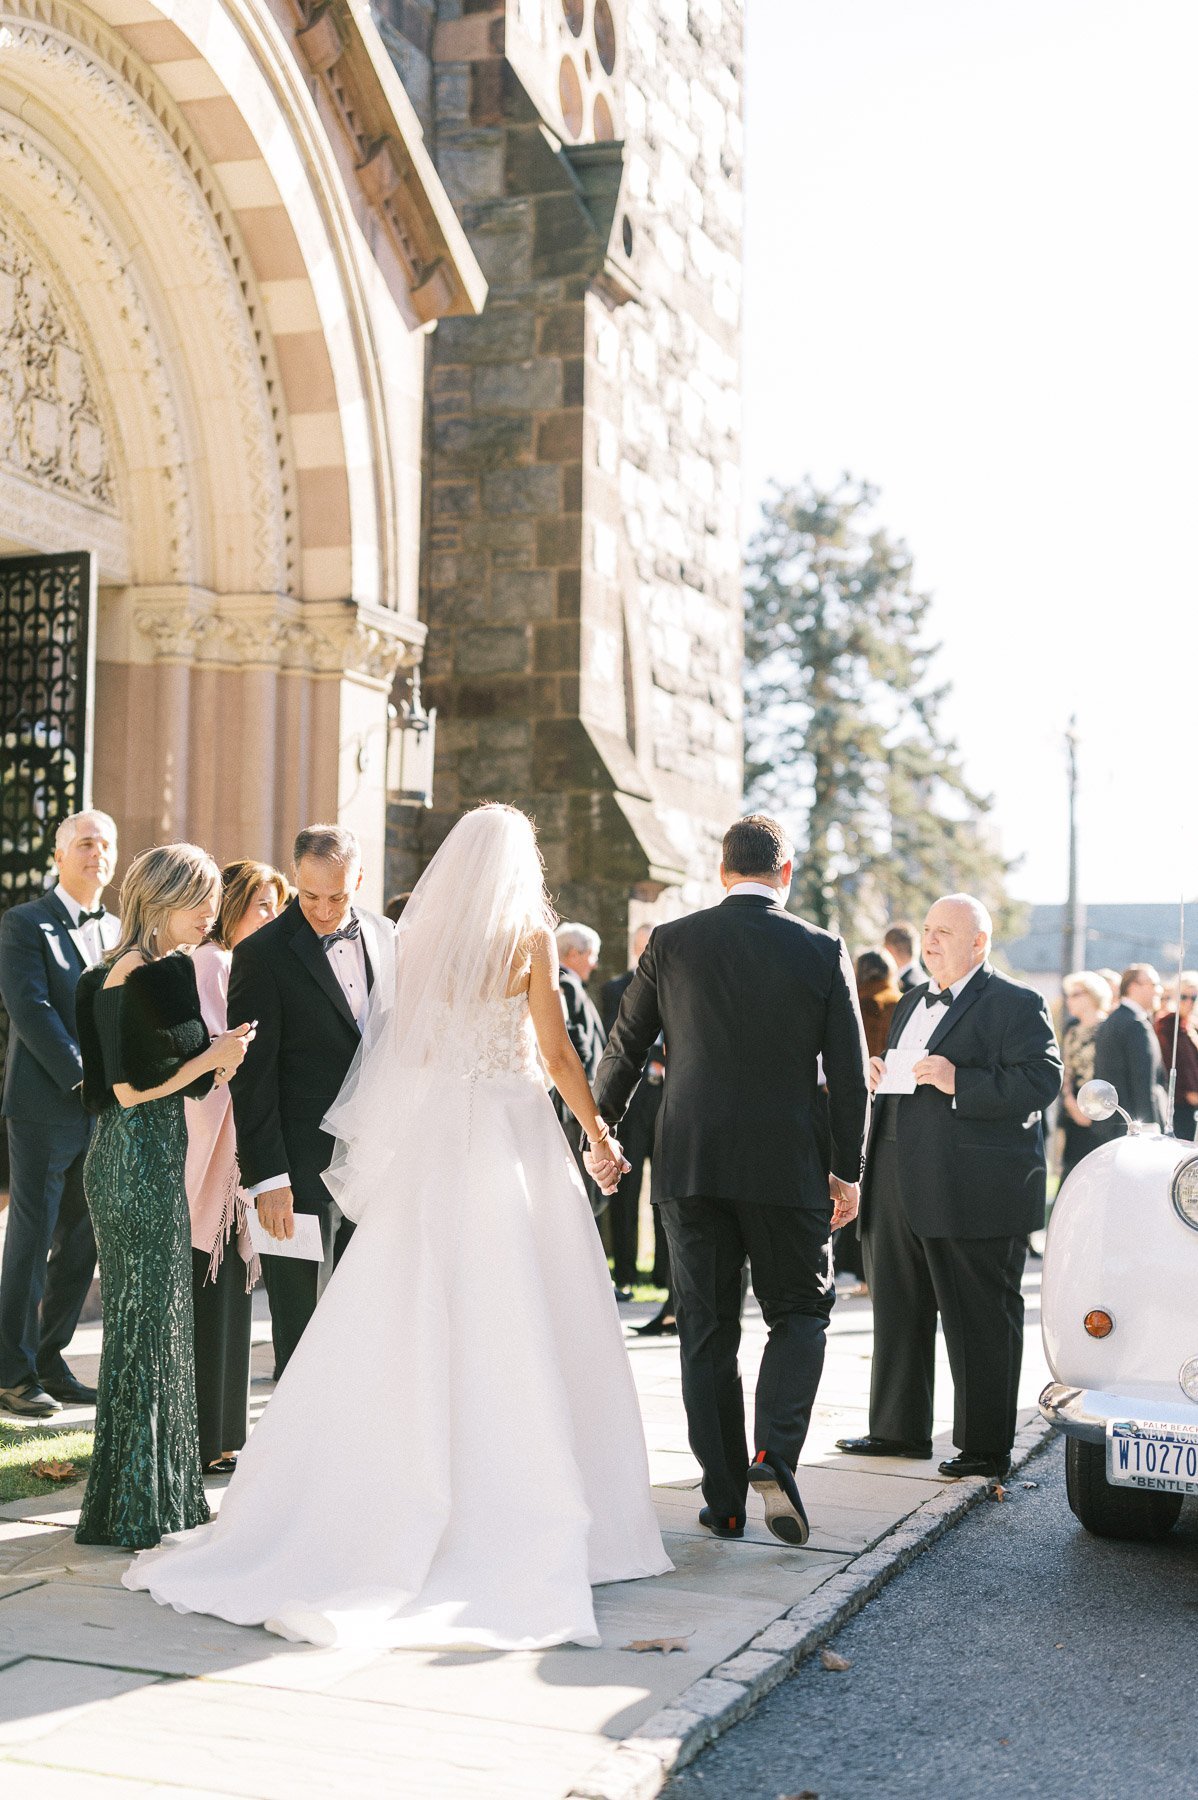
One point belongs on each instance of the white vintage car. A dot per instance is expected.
(1120, 1322)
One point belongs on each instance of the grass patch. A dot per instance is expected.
(23, 1445)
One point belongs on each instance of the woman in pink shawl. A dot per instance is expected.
(252, 893)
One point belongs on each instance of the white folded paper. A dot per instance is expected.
(306, 1243)
(897, 1080)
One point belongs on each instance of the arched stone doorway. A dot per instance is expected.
(213, 379)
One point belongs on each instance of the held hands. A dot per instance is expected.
(846, 1198)
(227, 1052)
(276, 1212)
(605, 1163)
(937, 1072)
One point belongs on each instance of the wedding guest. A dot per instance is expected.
(640, 1125)
(305, 981)
(252, 894)
(1087, 1003)
(954, 1182)
(902, 942)
(145, 1046)
(878, 993)
(49, 1248)
(1178, 1038)
(1127, 1053)
(578, 949)
(394, 907)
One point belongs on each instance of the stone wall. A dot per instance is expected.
(581, 560)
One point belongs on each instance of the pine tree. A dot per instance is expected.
(842, 719)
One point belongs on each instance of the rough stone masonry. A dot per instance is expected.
(581, 556)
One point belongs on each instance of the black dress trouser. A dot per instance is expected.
(788, 1253)
(292, 1284)
(973, 1283)
(49, 1251)
(222, 1309)
(624, 1214)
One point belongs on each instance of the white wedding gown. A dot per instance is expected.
(454, 1456)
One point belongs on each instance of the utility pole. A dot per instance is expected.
(1074, 936)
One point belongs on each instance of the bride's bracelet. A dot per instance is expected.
(602, 1138)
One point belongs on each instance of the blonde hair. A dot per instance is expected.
(160, 882)
(1086, 982)
(239, 882)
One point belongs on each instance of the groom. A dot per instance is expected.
(306, 979)
(749, 1161)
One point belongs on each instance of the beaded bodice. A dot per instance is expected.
(505, 1044)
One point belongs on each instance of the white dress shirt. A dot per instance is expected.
(758, 887)
(347, 960)
(87, 936)
(912, 1044)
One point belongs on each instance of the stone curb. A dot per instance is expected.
(639, 1767)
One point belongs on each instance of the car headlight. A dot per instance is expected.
(1185, 1191)
(1188, 1377)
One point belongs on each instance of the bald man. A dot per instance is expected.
(954, 1182)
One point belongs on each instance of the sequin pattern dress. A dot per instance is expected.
(145, 1478)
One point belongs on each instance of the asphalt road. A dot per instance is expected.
(1017, 1653)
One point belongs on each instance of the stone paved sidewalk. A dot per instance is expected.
(104, 1695)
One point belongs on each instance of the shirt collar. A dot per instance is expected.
(1134, 1006)
(72, 905)
(757, 887)
(957, 988)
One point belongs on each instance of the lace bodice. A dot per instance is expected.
(505, 1046)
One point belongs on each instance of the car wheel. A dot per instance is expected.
(1137, 1514)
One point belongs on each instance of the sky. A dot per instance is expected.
(970, 276)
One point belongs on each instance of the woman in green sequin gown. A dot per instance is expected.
(145, 1479)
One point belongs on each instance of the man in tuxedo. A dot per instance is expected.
(1127, 1052)
(49, 1250)
(578, 950)
(953, 1185)
(636, 1136)
(902, 941)
(305, 979)
(750, 1159)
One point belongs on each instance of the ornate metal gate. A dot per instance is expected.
(47, 608)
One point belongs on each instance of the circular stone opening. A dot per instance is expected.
(605, 128)
(605, 35)
(574, 11)
(569, 90)
(626, 235)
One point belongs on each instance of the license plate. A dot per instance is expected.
(1164, 1457)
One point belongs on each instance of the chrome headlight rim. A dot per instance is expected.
(1187, 1378)
(1185, 1180)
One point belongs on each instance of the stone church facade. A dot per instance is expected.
(339, 341)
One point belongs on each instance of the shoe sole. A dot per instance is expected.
(780, 1516)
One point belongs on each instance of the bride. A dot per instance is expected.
(487, 1467)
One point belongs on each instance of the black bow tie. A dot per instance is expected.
(100, 913)
(943, 998)
(352, 930)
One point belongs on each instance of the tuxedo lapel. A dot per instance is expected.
(62, 919)
(307, 946)
(960, 1006)
(902, 1012)
(370, 949)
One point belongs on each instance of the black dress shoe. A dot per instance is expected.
(660, 1325)
(69, 1390)
(879, 1446)
(29, 1401)
(785, 1514)
(722, 1524)
(994, 1468)
(623, 1295)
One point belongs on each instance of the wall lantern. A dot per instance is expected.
(410, 750)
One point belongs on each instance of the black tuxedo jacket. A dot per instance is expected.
(1127, 1052)
(976, 1169)
(748, 998)
(40, 965)
(305, 1042)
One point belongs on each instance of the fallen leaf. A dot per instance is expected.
(806, 1794)
(998, 1491)
(53, 1471)
(664, 1644)
(1004, 1740)
(837, 1664)
(1058, 1646)
(1029, 1484)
